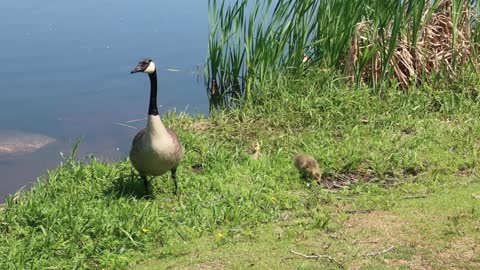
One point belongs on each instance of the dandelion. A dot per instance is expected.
(220, 235)
(145, 230)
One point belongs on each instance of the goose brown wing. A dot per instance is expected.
(136, 144)
(139, 136)
(178, 145)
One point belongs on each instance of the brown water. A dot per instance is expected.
(64, 73)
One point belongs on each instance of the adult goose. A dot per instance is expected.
(156, 148)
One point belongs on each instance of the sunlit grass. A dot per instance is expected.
(90, 214)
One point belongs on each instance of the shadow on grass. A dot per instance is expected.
(128, 186)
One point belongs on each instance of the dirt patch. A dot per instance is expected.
(417, 262)
(197, 168)
(376, 227)
(374, 231)
(334, 181)
(462, 253)
(207, 265)
(378, 231)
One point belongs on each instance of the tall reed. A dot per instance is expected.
(251, 41)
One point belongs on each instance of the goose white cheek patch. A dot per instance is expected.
(151, 68)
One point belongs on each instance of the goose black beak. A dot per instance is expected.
(137, 69)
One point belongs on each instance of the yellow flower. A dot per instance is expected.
(274, 199)
(144, 230)
(220, 235)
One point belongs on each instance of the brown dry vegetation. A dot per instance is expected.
(441, 46)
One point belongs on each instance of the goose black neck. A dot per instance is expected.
(152, 108)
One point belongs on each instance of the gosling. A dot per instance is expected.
(255, 151)
(307, 166)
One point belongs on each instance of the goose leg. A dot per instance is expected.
(145, 182)
(174, 176)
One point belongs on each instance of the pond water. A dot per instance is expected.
(64, 73)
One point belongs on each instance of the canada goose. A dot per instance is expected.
(156, 148)
(307, 166)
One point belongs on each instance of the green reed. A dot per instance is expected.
(252, 41)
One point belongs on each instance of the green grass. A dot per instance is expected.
(238, 212)
(415, 228)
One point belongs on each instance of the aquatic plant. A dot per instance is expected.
(369, 41)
